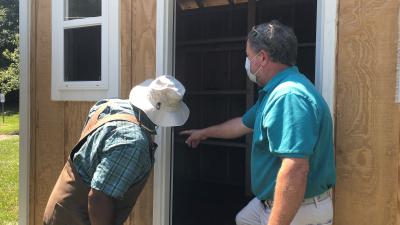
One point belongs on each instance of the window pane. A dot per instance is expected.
(82, 54)
(78, 9)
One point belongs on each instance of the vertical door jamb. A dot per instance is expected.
(24, 106)
(165, 43)
(325, 59)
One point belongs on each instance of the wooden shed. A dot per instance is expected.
(76, 51)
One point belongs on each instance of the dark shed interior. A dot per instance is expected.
(211, 183)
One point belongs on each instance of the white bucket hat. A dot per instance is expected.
(161, 100)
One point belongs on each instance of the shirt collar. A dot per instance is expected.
(277, 79)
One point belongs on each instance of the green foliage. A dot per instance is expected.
(9, 52)
(9, 20)
(9, 153)
(9, 77)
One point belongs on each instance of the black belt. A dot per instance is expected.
(307, 201)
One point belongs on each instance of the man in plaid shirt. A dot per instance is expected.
(109, 166)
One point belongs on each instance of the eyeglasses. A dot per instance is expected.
(270, 29)
(254, 29)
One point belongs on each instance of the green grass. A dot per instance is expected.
(9, 156)
(11, 123)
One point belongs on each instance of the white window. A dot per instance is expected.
(85, 50)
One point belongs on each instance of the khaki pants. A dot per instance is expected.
(256, 213)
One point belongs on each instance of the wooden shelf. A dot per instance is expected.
(228, 40)
(210, 41)
(203, 179)
(216, 143)
(217, 92)
(306, 45)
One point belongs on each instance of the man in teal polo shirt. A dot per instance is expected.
(292, 158)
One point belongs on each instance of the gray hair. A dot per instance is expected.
(278, 40)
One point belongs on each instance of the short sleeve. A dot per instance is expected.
(122, 165)
(249, 117)
(292, 126)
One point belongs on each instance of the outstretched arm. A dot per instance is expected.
(228, 130)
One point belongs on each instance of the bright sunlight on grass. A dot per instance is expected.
(9, 152)
(11, 123)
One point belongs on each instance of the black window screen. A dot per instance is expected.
(82, 54)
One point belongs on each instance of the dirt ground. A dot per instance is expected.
(4, 137)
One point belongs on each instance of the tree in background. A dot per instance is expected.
(9, 77)
(9, 40)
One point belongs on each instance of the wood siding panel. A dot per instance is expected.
(32, 129)
(142, 59)
(49, 116)
(56, 126)
(367, 118)
(75, 114)
(126, 47)
(143, 40)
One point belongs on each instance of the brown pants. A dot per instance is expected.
(68, 203)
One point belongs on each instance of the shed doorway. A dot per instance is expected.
(211, 183)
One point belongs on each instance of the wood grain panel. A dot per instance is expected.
(143, 60)
(75, 117)
(32, 155)
(126, 47)
(367, 119)
(143, 40)
(57, 125)
(49, 132)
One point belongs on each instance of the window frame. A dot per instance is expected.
(108, 86)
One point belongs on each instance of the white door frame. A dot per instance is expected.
(325, 71)
(325, 58)
(165, 47)
(24, 112)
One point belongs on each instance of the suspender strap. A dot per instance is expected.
(99, 123)
(90, 125)
(94, 122)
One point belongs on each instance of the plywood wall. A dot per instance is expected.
(138, 25)
(56, 125)
(47, 155)
(367, 118)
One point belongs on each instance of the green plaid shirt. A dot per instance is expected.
(116, 155)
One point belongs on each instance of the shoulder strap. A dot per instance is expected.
(94, 122)
(98, 123)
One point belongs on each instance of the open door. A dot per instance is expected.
(211, 183)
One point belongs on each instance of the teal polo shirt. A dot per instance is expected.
(290, 120)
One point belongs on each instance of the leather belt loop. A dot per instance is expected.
(315, 202)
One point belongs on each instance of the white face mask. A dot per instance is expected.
(252, 76)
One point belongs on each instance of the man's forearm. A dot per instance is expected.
(289, 191)
(101, 208)
(230, 129)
